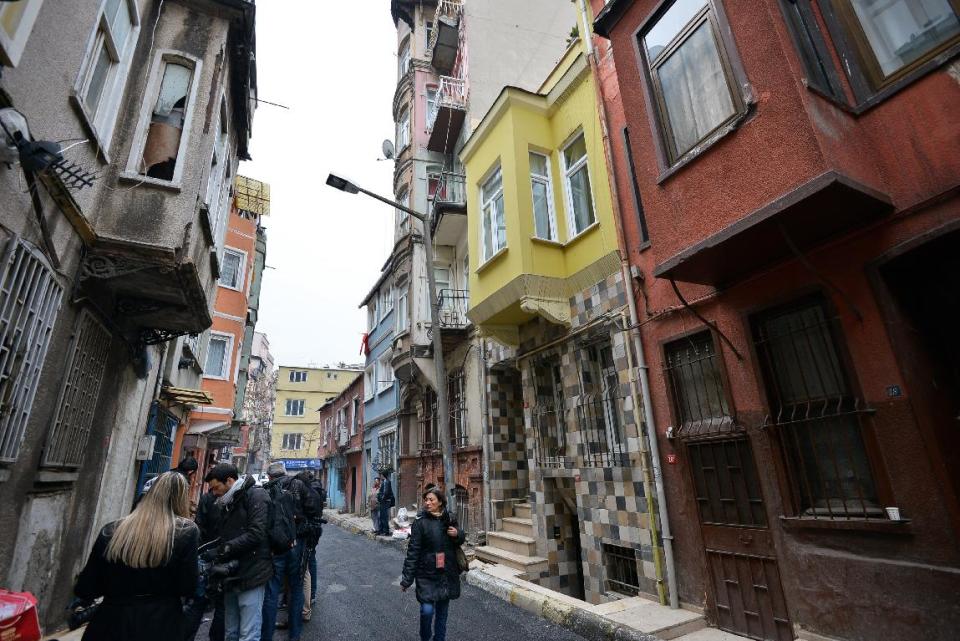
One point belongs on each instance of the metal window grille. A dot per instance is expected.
(164, 425)
(458, 408)
(698, 392)
(623, 575)
(599, 409)
(462, 497)
(818, 419)
(429, 438)
(78, 398)
(549, 414)
(388, 450)
(452, 305)
(29, 302)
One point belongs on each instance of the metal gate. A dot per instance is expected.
(163, 425)
(739, 548)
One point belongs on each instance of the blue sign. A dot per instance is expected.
(302, 463)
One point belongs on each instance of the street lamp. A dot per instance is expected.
(443, 422)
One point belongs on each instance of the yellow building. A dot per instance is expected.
(301, 391)
(540, 218)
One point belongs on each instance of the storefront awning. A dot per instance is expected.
(185, 396)
(822, 208)
(207, 427)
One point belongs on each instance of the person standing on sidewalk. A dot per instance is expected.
(244, 546)
(373, 502)
(386, 500)
(288, 565)
(432, 562)
(142, 566)
(311, 540)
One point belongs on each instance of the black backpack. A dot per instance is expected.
(281, 528)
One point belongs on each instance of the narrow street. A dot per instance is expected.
(360, 598)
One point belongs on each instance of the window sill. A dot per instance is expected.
(546, 241)
(856, 525)
(691, 156)
(216, 378)
(87, 122)
(54, 476)
(234, 289)
(584, 232)
(131, 177)
(490, 261)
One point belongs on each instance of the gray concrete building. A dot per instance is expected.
(123, 122)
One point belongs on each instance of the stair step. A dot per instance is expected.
(522, 510)
(531, 565)
(516, 543)
(515, 525)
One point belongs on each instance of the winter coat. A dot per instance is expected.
(243, 536)
(140, 603)
(385, 496)
(307, 515)
(208, 518)
(427, 537)
(373, 502)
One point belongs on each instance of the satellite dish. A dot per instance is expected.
(388, 150)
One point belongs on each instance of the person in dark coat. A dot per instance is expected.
(387, 500)
(208, 520)
(143, 566)
(432, 562)
(243, 538)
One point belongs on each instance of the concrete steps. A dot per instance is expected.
(530, 566)
(516, 543)
(522, 510)
(516, 525)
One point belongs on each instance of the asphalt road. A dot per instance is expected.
(360, 598)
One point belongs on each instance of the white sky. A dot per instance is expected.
(337, 73)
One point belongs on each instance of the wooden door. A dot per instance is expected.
(739, 548)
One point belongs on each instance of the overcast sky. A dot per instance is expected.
(337, 74)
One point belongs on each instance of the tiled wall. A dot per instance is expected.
(509, 479)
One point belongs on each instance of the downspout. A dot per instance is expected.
(484, 429)
(641, 369)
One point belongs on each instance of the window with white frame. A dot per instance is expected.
(355, 425)
(232, 268)
(16, 23)
(580, 213)
(428, 35)
(431, 105)
(371, 314)
(493, 228)
(466, 276)
(298, 376)
(87, 361)
(384, 373)
(369, 381)
(386, 302)
(292, 441)
(404, 58)
(103, 72)
(164, 128)
(403, 130)
(219, 348)
(403, 218)
(544, 221)
(403, 310)
(216, 198)
(294, 407)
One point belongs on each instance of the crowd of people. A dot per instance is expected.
(153, 574)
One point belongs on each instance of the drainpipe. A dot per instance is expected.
(484, 430)
(641, 363)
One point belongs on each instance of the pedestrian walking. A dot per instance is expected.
(244, 548)
(288, 565)
(311, 540)
(386, 500)
(143, 565)
(373, 502)
(432, 562)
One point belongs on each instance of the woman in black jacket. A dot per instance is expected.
(142, 566)
(432, 562)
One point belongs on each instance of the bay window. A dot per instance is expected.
(580, 211)
(494, 231)
(544, 223)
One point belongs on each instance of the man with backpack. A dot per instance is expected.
(310, 545)
(292, 514)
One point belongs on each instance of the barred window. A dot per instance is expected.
(549, 413)
(696, 385)
(29, 302)
(78, 398)
(818, 418)
(599, 408)
(623, 575)
(458, 408)
(429, 435)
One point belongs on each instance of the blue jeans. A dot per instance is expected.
(287, 570)
(436, 614)
(384, 519)
(242, 614)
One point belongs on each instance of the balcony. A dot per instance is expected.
(445, 40)
(446, 117)
(450, 209)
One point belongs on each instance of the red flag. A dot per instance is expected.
(365, 344)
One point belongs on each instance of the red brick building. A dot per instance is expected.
(796, 164)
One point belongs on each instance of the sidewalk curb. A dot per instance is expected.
(343, 522)
(587, 624)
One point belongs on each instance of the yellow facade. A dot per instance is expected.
(321, 385)
(531, 276)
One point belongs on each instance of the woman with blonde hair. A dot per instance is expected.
(143, 565)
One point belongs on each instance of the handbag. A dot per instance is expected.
(18, 616)
(462, 564)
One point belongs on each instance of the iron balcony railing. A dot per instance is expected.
(453, 304)
(451, 94)
(449, 9)
(451, 189)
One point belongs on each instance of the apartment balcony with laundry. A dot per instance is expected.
(447, 113)
(444, 45)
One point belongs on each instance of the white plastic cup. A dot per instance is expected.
(893, 513)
